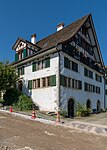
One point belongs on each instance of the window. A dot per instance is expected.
(70, 64)
(91, 74)
(30, 52)
(88, 73)
(53, 80)
(34, 68)
(74, 66)
(106, 92)
(68, 82)
(85, 72)
(16, 57)
(73, 83)
(84, 30)
(66, 63)
(89, 87)
(93, 88)
(21, 71)
(84, 45)
(38, 83)
(24, 53)
(30, 84)
(41, 64)
(76, 84)
(76, 38)
(97, 90)
(43, 82)
(47, 62)
(98, 78)
(79, 40)
(34, 84)
(48, 81)
(86, 86)
(79, 84)
(22, 56)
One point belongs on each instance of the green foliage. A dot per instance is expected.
(16, 98)
(82, 110)
(8, 76)
(11, 96)
(63, 113)
(1, 102)
(24, 103)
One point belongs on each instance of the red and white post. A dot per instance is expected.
(33, 114)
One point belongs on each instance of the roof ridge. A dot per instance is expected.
(86, 16)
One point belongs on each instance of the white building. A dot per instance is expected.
(63, 69)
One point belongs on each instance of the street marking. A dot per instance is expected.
(25, 148)
(49, 133)
(2, 117)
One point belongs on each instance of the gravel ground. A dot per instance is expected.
(21, 134)
(100, 118)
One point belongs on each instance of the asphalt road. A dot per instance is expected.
(21, 134)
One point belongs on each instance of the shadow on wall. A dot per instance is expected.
(28, 92)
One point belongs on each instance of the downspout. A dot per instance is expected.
(104, 77)
(59, 47)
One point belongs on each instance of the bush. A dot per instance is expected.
(17, 99)
(24, 103)
(11, 96)
(63, 113)
(82, 110)
(1, 102)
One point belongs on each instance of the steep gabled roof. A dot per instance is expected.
(97, 43)
(65, 35)
(21, 39)
(62, 35)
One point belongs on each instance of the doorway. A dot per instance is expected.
(71, 108)
(88, 104)
(98, 106)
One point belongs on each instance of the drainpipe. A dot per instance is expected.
(59, 47)
(104, 94)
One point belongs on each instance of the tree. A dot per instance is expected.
(8, 76)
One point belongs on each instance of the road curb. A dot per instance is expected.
(82, 126)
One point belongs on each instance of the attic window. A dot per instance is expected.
(84, 30)
(45, 44)
(20, 44)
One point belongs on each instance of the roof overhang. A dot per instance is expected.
(25, 41)
(35, 56)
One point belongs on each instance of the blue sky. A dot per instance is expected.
(21, 18)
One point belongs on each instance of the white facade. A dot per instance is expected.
(105, 95)
(80, 96)
(46, 97)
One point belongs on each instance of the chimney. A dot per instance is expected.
(33, 38)
(60, 26)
